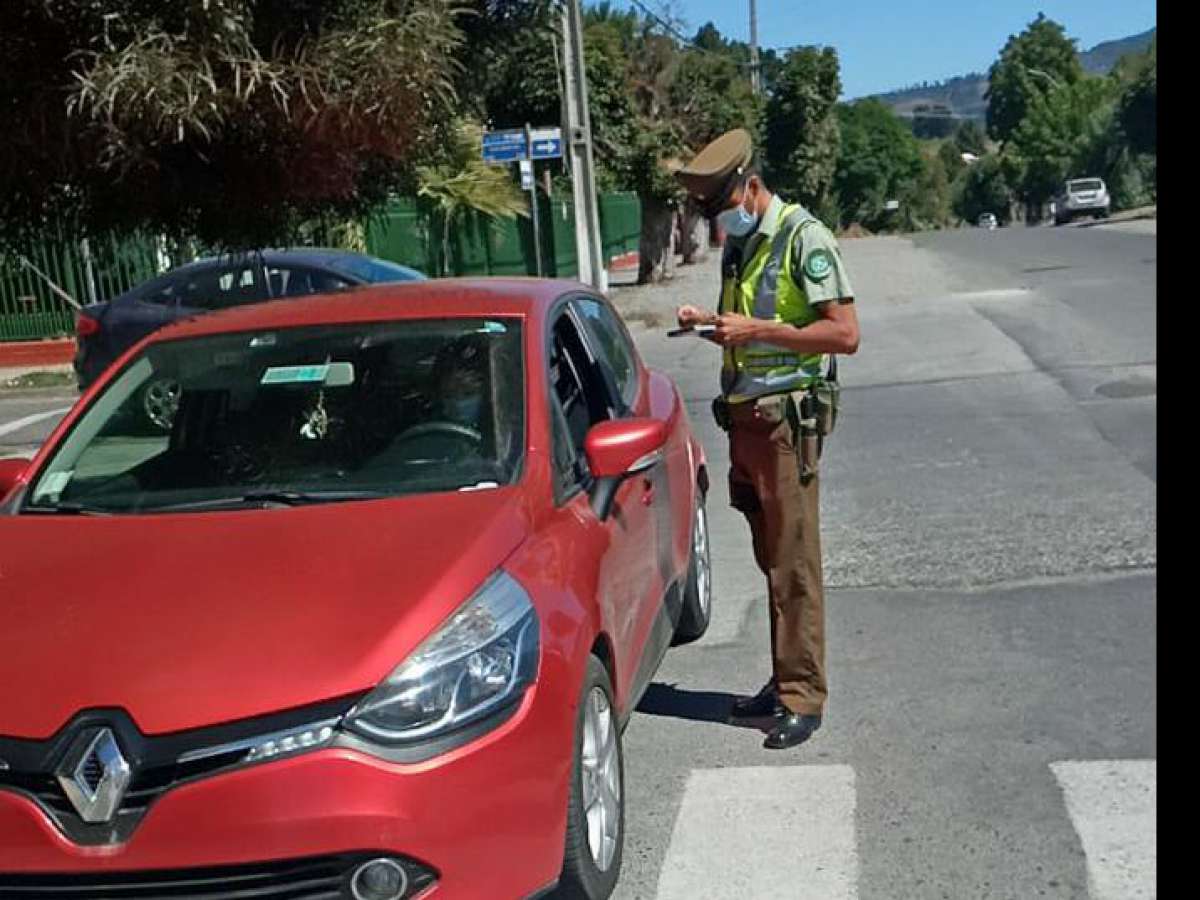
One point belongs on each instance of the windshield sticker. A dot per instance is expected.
(492, 328)
(295, 374)
(263, 340)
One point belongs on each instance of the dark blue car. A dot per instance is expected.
(104, 331)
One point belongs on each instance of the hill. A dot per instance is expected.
(963, 94)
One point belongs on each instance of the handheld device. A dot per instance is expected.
(698, 330)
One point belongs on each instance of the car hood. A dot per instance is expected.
(187, 620)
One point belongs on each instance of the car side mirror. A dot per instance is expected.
(617, 449)
(12, 471)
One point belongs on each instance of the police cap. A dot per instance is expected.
(713, 174)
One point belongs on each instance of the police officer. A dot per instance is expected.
(786, 306)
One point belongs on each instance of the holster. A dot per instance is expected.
(802, 415)
(720, 411)
(826, 397)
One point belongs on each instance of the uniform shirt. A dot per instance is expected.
(816, 259)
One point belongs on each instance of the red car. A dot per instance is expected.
(366, 623)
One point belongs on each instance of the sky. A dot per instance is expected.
(884, 45)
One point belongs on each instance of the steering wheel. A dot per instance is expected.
(443, 428)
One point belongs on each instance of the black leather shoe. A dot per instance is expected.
(791, 730)
(764, 703)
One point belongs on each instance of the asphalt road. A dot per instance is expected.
(989, 537)
(990, 546)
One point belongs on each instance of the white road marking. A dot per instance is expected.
(1112, 804)
(18, 424)
(802, 814)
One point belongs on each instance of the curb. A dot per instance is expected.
(23, 354)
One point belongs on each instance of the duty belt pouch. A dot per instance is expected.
(801, 412)
(826, 397)
(720, 411)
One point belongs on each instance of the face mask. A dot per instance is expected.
(464, 409)
(737, 222)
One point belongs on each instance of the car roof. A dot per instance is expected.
(441, 298)
(310, 255)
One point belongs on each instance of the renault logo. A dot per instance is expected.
(94, 775)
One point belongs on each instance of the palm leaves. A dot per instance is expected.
(464, 183)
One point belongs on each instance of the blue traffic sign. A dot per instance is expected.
(545, 143)
(510, 145)
(504, 146)
(547, 149)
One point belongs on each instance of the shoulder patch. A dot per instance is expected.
(818, 264)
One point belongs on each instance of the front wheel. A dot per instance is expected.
(697, 593)
(160, 402)
(596, 810)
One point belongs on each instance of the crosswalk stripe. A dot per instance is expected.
(747, 832)
(17, 424)
(1112, 804)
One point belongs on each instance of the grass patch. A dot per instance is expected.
(40, 380)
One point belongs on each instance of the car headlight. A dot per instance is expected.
(480, 659)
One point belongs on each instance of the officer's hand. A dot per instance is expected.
(734, 330)
(693, 315)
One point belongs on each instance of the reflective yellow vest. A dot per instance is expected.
(765, 289)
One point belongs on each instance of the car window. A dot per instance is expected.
(570, 466)
(208, 287)
(374, 271)
(300, 281)
(384, 408)
(613, 346)
(577, 386)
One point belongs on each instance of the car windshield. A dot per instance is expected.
(297, 415)
(1088, 184)
(372, 270)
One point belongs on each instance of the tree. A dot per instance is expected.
(971, 138)
(1138, 106)
(1059, 134)
(507, 67)
(802, 134)
(951, 159)
(879, 161)
(464, 183)
(1030, 66)
(933, 121)
(983, 188)
(710, 95)
(232, 121)
(925, 202)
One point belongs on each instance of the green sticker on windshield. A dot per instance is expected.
(295, 374)
(818, 265)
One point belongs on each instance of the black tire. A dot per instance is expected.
(581, 878)
(697, 593)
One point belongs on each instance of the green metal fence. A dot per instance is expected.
(405, 232)
(33, 284)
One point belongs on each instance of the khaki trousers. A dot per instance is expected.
(784, 515)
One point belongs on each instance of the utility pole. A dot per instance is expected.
(755, 77)
(533, 199)
(578, 137)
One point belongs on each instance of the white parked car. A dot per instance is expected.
(988, 220)
(1081, 197)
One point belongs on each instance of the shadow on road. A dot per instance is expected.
(698, 706)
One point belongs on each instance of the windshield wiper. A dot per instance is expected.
(300, 498)
(257, 498)
(69, 508)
